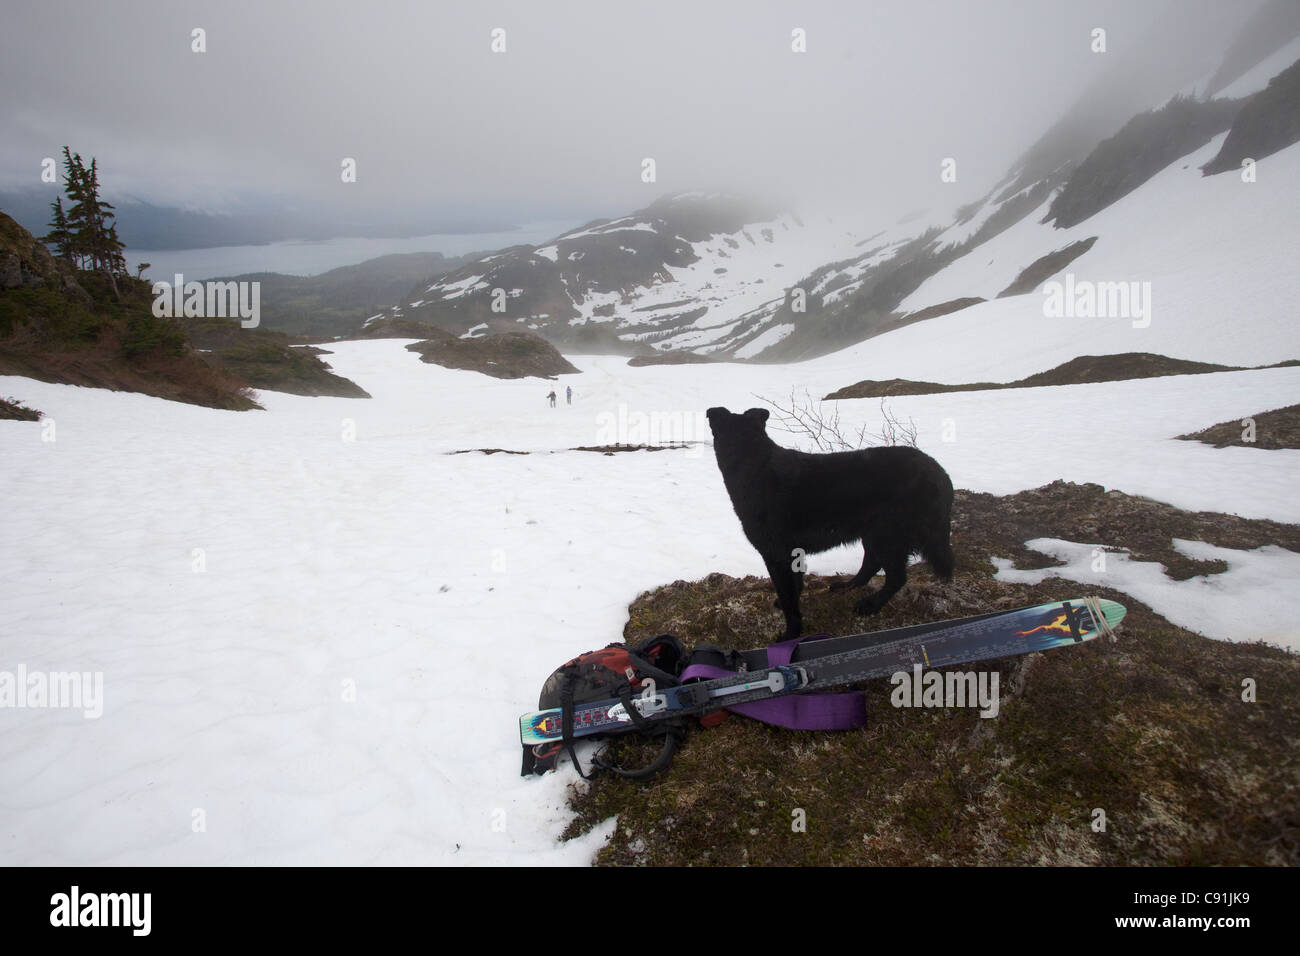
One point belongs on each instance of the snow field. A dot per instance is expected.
(317, 628)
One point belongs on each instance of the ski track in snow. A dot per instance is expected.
(444, 588)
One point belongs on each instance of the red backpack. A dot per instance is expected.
(616, 671)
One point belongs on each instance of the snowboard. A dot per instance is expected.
(822, 664)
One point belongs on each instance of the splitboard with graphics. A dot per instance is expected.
(654, 687)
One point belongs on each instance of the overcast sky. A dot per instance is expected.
(558, 124)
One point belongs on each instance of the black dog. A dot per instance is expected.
(895, 500)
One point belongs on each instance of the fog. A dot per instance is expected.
(559, 124)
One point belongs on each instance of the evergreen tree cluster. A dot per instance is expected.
(85, 233)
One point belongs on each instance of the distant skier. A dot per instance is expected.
(568, 394)
(551, 396)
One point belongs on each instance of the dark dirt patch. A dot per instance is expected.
(1279, 428)
(612, 449)
(944, 308)
(985, 526)
(901, 386)
(1121, 367)
(603, 449)
(1151, 729)
(489, 451)
(1078, 371)
(13, 409)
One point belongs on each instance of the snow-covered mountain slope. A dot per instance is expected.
(1214, 247)
(316, 629)
(681, 273)
(726, 277)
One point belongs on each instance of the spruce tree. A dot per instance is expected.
(78, 226)
(91, 234)
(59, 235)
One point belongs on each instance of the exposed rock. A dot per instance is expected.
(1148, 143)
(25, 262)
(1268, 123)
(508, 355)
(1279, 428)
(1077, 371)
(1043, 268)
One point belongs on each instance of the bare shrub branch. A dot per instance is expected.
(805, 417)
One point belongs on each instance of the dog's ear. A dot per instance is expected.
(717, 414)
(757, 414)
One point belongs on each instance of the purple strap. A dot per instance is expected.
(796, 711)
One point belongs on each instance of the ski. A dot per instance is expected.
(820, 665)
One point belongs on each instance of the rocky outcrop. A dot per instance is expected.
(509, 355)
(25, 263)
(1268, 123)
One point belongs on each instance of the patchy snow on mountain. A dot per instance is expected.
(684, 270)
(626, 224)
(1234, 256)
(452, 290)
(764, 340)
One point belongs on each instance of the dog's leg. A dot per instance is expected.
(798, 578)
(895, 578)
(870, 565)
(788, 584)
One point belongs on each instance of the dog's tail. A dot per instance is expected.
(936, 546)
(941, 558)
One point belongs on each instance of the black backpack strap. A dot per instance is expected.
(661, 659)
(674, 732)
(710, 655)
(566, 720)
(664, 654)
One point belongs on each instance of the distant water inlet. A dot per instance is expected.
(211, 299)
(304, 257)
